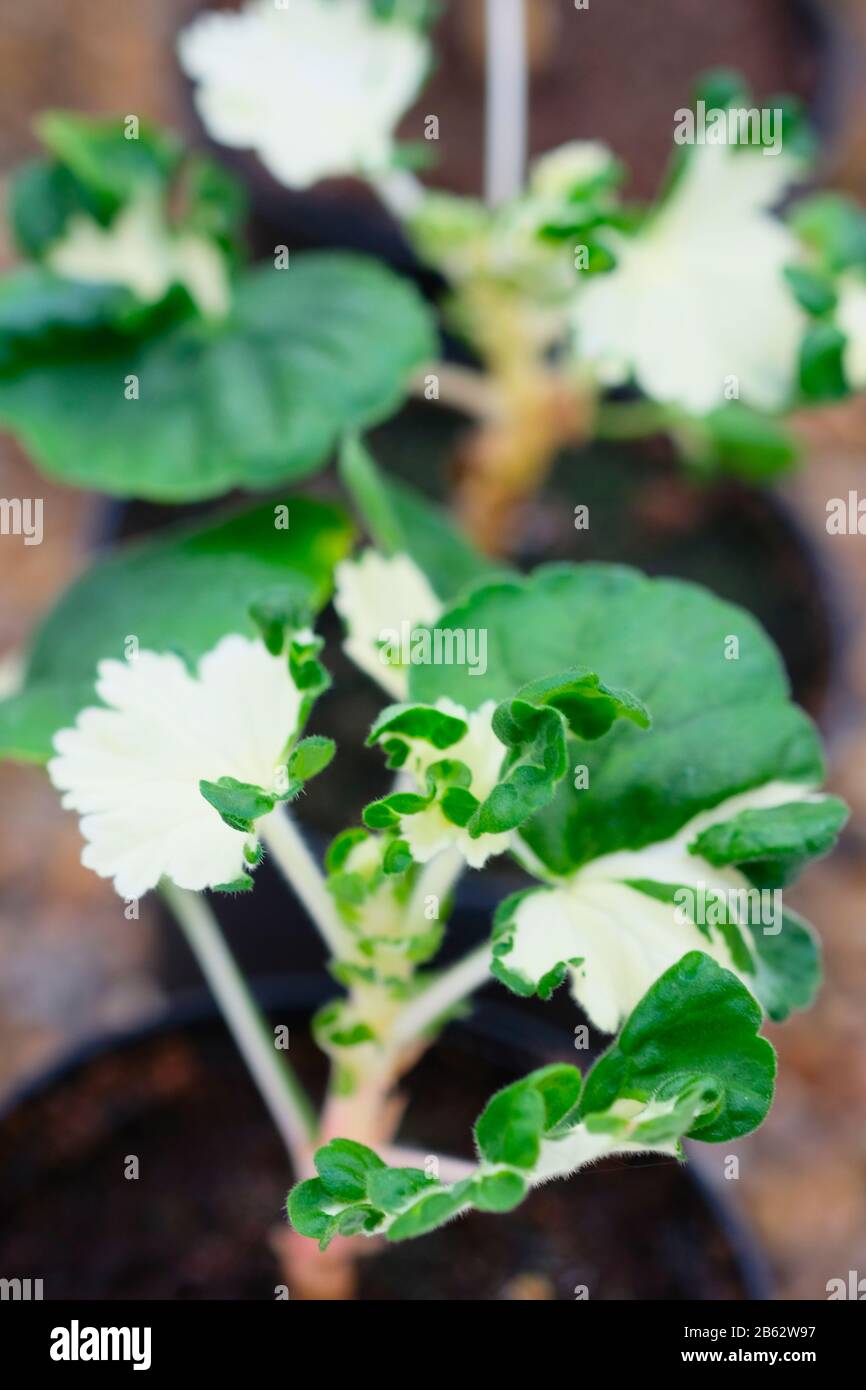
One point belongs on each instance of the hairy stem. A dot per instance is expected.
(448, 1169)
(281, 1091)
(436, 880)
(446, 991)
(298, 866)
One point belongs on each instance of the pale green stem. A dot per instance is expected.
(448, 1169)
(298, 866)
(463, 389)
(281, 1091)
(507, 101)
(447, 990)
(436, 880)
(401, 192)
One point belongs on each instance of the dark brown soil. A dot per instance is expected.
(212, 1182)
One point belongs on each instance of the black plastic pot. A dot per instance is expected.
(195, 1223)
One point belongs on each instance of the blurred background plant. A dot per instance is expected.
(504, 277)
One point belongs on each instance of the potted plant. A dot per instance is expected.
(631, 742)
(628, 742)
(584, 384)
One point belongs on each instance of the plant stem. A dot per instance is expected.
(464, 389)
(303, 874)
(506, 101)
(436, 879)
(281, 1091)
(448, 989)
(401, 192)
(449, 1169)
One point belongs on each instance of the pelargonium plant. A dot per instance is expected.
(629, 742)
(140, 353)
(708, 316)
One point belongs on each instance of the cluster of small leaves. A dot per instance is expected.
(832, 228)
(371, 878)
(720, 728)
(388, 935)
(251, 396)
(525, 249)
(95, 168)
(688, 1062)
(533, 727)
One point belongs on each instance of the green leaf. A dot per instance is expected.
(96, 167)
(397, 857)
(515, 1121)
(822, 366)
(533, 728)
(434, 726)
(430, 1212)
(498, 1191)
(183, 591)
(310, 757)
(42, 314)
(97, 152)
(276, 615)
(43, 196)
(392, 1188)
(306, 354)
(588, 706)
(779, 840)
(511, 1126)
(696, 1022)
(721, 88)
(447, 558)
(788, 967)
(307, 1209)
(814, 289)
(341, 847)
(721, 726)
(244, 884)
(688, 1062)
(239, 803)
(371, 496)
(783, 970)
(386, 813)
(92, 171)
(398, 518)
(835, 227)
(746, 443)
(344, 1167)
